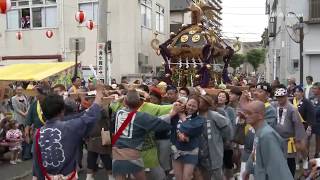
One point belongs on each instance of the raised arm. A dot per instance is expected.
(84, 123)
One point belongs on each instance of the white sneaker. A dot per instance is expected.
(13, 162)
(100, 165)
(147, 170)
(110, 177)
(90, 177)
(18, 160)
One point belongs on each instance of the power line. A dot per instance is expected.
(240, 33)
(240, 38)
(241, 14)
(243, 7)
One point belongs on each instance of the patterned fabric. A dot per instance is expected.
(280, 92)
(13, 136)
(149, 153)
(204, 156)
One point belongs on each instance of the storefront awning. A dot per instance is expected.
(33, 72)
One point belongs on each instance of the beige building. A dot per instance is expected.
(129, 25)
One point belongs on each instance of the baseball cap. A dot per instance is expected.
(264, 86)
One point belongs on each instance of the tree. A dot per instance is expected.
(237, 60)
(256, 57)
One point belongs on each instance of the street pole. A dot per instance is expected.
(103, 36)
(301, 49)
(275, 64)
(108, 54)
(76, 65)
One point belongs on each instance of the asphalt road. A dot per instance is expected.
(23, 170)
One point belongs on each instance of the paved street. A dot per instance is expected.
(23, 171)
(19, 171)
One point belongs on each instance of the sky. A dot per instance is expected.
(244, 18)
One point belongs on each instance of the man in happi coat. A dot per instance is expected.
(267, 160)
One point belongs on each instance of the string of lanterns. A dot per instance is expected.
(19, 35)
(80, 17)
(49, 34)
(90, 24)
(5, 5)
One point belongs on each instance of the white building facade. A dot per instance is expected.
(283, 56)
(129, 26)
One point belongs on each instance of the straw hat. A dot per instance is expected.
(208, 99)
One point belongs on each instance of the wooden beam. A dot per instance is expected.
(33, 57)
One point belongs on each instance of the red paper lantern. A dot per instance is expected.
(49, 34)
(90, 24)
(80, 16)
(5, 5)
(19, 35)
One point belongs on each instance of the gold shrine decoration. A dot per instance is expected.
(155, 44)
(184, 38)
(192, 32)
(196, 38)
(237, 45)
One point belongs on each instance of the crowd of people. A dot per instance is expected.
(158, 131)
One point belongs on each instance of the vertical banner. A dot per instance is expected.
(101, 62)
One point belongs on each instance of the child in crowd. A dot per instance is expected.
(14, 137)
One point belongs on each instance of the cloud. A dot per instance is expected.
(244, 18)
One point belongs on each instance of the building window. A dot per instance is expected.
(146, 11)
(13, 19)
(267, 7)
(295, 64)
(274, 5)
(91, 10)
(160, 19)
(26, 14)
(272, 26)
(315, 10)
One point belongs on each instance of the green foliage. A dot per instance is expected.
(237, 60)
(256, 57)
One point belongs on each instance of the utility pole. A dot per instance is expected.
(301, 48)
(103, 39)
(274, 64)
(76, 53)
